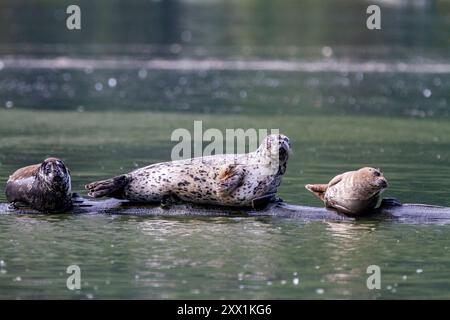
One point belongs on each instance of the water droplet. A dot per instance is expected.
(112, 82)
(283, 282)
(98, 86)
(327, 52)
(2, 263)
(295, 281)
(359, 76)
(9, 104)
(18, 279)
(389, 287)
(419, 270)
(142, 73)
(186, 36)
(3, 271)
(175, 48)
(317, 267)
(426, 93)
(240, 276)
(437, 82)
(404, 278)
(90, 296)
(320, 291)
(269, 283)
(182, 81)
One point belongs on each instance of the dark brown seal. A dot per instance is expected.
(45, 187)
(353, 192)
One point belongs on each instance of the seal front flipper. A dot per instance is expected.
(390, 202)
(168, 201)
(17, 205)
(262, 202)
(230, 178)
(113, 187)
(318, 190)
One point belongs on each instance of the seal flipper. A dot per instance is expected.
(16, 205)
(168, 200)
(262, 202)
(318, 190)
(230, 178)
(390, 202)
(113, 187)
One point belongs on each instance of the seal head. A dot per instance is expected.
(44, 187)
(353, 192)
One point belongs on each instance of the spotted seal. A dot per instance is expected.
(250, 179)
(353, 192)
(45, 187)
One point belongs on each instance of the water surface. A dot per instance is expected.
(107, 99)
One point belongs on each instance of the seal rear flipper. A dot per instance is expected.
(318, 190)
(113, 187)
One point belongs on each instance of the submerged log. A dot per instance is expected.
(389, 211)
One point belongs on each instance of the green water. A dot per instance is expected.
(397, 120)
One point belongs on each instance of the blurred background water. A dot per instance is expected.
(107, 98)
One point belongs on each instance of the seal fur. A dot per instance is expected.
(45, 187)
(353, 192)
(226, 179)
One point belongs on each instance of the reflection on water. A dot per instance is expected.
(107, 99)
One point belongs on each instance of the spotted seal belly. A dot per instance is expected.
(232, 180)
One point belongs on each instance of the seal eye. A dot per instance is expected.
(377, 173)
(47, 169)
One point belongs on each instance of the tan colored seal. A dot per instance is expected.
(353, 192)
(225, 179)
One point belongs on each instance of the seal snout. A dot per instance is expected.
(54, 167)
(284, 147)
(382, 182)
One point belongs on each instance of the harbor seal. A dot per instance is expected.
(353, 192)
(45, 187)
(250, 179)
